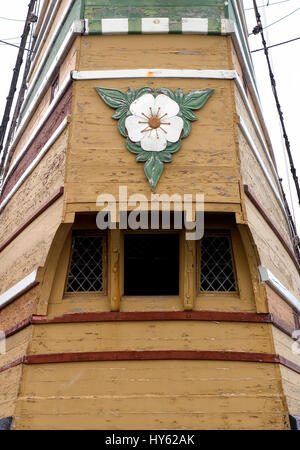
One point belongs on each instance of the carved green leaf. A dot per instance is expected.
(188, 113)
(196, 99)
(112, 97)
(179, 96)
(143, 90)
(165, 91)
(173, 147)
(143, 156)
(122, 110)
(130, 94)
(164, 156)
(121, 125)
(134, 147)
(153, 169)
(186, 127)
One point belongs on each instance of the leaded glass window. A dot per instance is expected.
(86, 271)
(216, 264)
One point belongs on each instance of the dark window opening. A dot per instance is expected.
(217, 273)
(86, 266)
(151, 264)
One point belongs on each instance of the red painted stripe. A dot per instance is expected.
(153, 355)
(31, 218)
(147, 316)
(157, 315)
(18, 327)
(150, 355)
(11, 364)
(264, 213)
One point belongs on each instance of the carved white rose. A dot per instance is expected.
(154, 122)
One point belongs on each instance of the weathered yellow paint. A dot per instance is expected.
(151, 395)
(153, 335)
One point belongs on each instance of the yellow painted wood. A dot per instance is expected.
(29, 250)
(152, 335)
(189, 273)
(41, 184)
(9, 385)
(16, 346)
(252, 257)
(51, 264)
(272, 254)
(115, 254)
(291, 388)
(151, 395)
(154, 51)
(284, 346)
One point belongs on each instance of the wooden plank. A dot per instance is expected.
(31, 218)
(138, 336)
(271, 252)
(42, 183)
(180, 51)
(16, 347)
(280, 308)
(228, 395)
(286, 244)
(9, 384)
(29, 250)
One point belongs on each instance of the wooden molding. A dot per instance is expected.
(161, 355)
(11, 364)
(153, 355)
(217, 316)
(155, 315)
(150, 355)
(18, 327)
(271, 224)
(31, 218)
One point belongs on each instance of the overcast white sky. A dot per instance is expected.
(285, 60)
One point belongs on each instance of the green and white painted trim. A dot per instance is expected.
(159, 25)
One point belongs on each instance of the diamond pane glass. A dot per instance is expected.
(86, 268)
(217, 272)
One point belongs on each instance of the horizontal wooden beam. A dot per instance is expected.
(161, 355)
(151, 356)
(31, 218)
(155, 315)
(214, 316)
